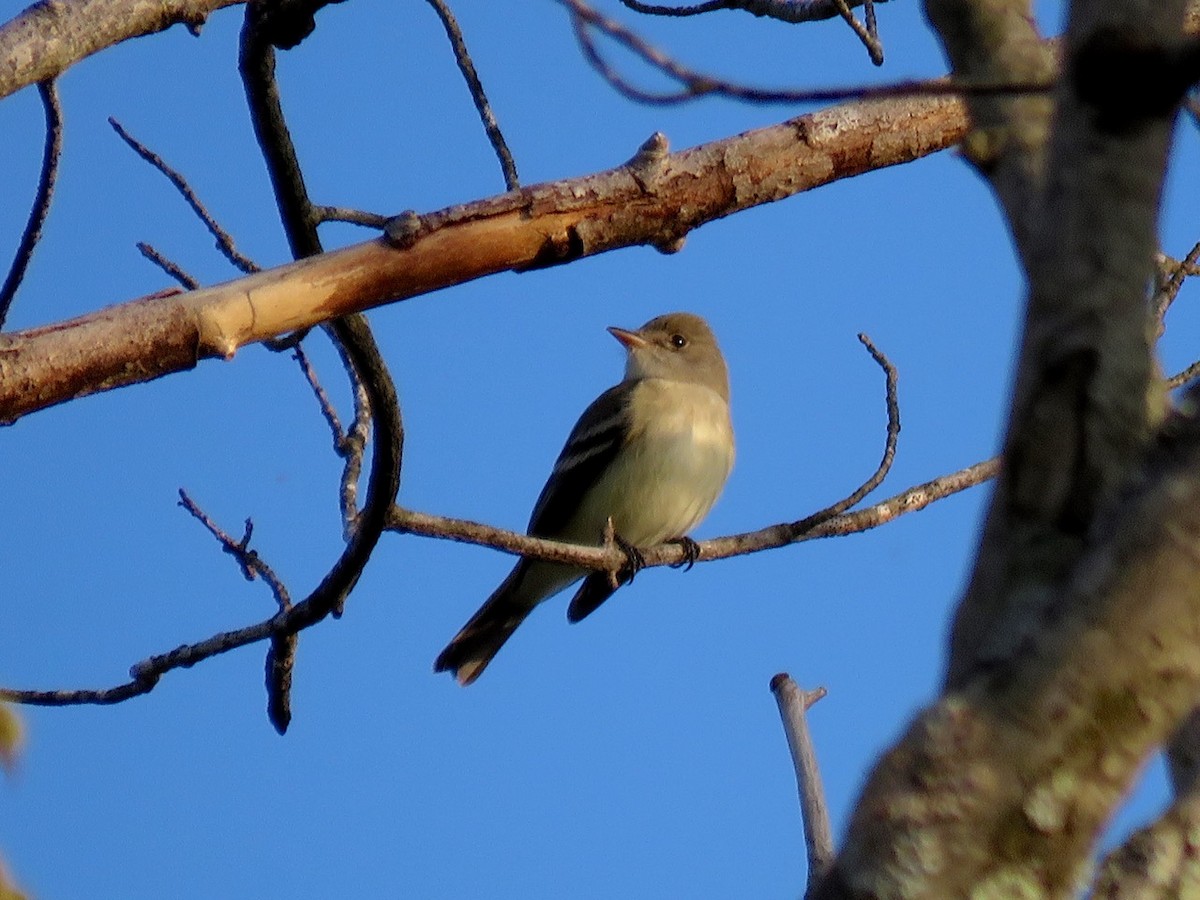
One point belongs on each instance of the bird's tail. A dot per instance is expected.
(469, 653)
(596, 588)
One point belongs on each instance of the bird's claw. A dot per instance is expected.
(691, 553)
(634, 560)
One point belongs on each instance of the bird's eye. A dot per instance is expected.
(678, 341)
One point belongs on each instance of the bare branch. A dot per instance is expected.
(601, 559)
(792, 11)
(694, 84)
(41, 201)
(281, 656)
(252, 565)
(264, 25)
(327, 409)
(1170, 286)
(171, 268)
(384, 481)
(818, 834)
(865, 33)
(889, 448)
(1157, 861)
(145, 675)
(467, 67)
(46, 39)
(537, 226)
(349, 445)
(353, 216)
(224, 241)
(1182, 378)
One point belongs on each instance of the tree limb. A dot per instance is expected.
(50, 36)
(794, 703)
(656, 200)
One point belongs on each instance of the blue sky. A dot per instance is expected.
(636, 754)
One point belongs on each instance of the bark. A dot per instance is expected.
(50, 36)
(1076, 649)
(656, 199)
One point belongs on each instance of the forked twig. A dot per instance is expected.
(818, 834)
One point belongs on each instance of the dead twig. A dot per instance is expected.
(790, 11)
(1170, 282)
(350, 334)
(252, 565)
(171, 268)
(51, 152)
(793, 704)
(693, 84)
(145, 674)
(224, 241)
(889, 449)
(602, 559)
(350, 445)
(475, 86)
(351, 216)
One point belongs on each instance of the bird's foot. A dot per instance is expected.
(691, 552)
(634, 560)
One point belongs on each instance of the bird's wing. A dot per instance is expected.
(590, 449)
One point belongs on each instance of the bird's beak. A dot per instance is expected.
(630, 340)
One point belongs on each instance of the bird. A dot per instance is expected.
(651, 454)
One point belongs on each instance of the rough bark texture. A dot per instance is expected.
(1076, 650)
(654, 199)
(52, 35)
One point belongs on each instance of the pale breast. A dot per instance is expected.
(670, 473)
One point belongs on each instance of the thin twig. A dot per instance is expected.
(350, 334)
(818, 834)
(1182, 378)
(695, 84)
(354, 448)
(467, 67)
(889, 449)
(252, 565)
(327, 410)
(145, 674)
(1170, 286)
(171, 268)
(866, 34)
(352, 216)
(281, 656)
(51, 152)
(600, 559)
(349, 445)
(790, 11)
(224, 241)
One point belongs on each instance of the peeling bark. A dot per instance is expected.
(655, 199)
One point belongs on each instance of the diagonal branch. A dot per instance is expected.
(539, 225)
(41, 200)
(47, 38)
(467, 67)
(224, 240)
